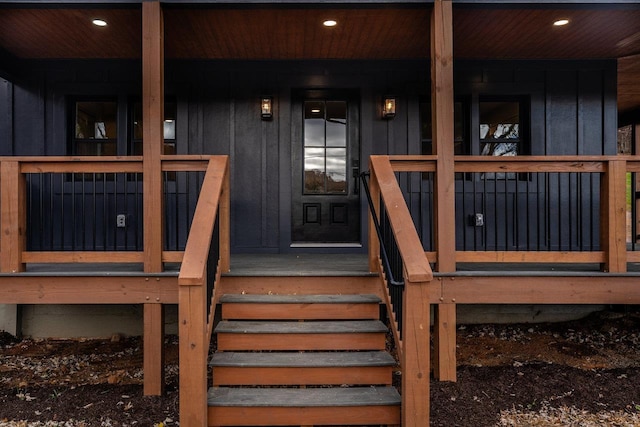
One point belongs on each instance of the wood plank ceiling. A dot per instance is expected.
(364, 33)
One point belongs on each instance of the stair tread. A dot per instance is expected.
(299, 299)
(303, 397)
(305, 360)
(310, 327)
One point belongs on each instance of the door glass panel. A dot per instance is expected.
(314, 170)
(336, 124)
(336, 170)
(314, 124)
(325, 152)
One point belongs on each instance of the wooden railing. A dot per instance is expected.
(607, 175)
(413, 349)
(603, 199)
(18, 175)
(196, 299)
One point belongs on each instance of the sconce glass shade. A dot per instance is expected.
(389, 107)
(266, 108)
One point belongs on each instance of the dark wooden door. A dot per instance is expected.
(326, 163)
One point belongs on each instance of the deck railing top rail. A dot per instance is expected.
(416, 265)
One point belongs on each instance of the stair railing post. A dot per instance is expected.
(192, 312)
(13, 216)
(224, 215)
(374, 243)
(416, 355)
(613, 216)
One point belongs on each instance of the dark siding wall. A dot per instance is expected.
(6, 118)
(572, 111)
(573, 103)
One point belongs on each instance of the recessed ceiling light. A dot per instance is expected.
(99, 22)
(329, 23)
(561, 22)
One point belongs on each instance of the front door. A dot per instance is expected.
(326, 163)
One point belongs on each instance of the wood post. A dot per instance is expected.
(13, 217)
(224, 222)
(192, 329)
(153, 134)
(374, 243)
(634, 197)
(443, 135)
(614, 217)
(13, 221)
(153, 349)
(416, 355)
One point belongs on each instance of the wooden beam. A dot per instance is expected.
(635, 198)
(442, 100)
(540, 289)
(152, 149)
(13, 217)
(152, 132)
(614, 217)
(442, 134)
(70, 288)
(153, 350)
(83, 257)
(530, 257)
(532, 166)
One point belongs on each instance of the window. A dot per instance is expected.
(169, 129)
(501, 128)
(325, 147)
(461, 140)
(96, 128)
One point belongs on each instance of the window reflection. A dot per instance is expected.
(95, 128)
(499, 128)
(169, 128)
(325, 152)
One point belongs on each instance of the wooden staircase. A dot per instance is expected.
(302, 359)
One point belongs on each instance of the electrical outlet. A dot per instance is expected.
(121, 221)
(478, 220)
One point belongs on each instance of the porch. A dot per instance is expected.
(558, 222)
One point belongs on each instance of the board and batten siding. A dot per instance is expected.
(572, 111)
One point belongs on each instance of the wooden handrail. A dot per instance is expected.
(416, 266)
(193, 269)
(194, 324)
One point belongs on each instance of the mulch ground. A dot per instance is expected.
(583, 373)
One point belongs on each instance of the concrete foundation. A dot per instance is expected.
(89, 321)
(9, 321)
(102, 321)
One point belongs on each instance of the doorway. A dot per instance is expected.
(325, 167)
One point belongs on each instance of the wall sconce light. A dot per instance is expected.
(266, 108)
(389, 107)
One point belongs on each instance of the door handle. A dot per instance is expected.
(356, 180)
